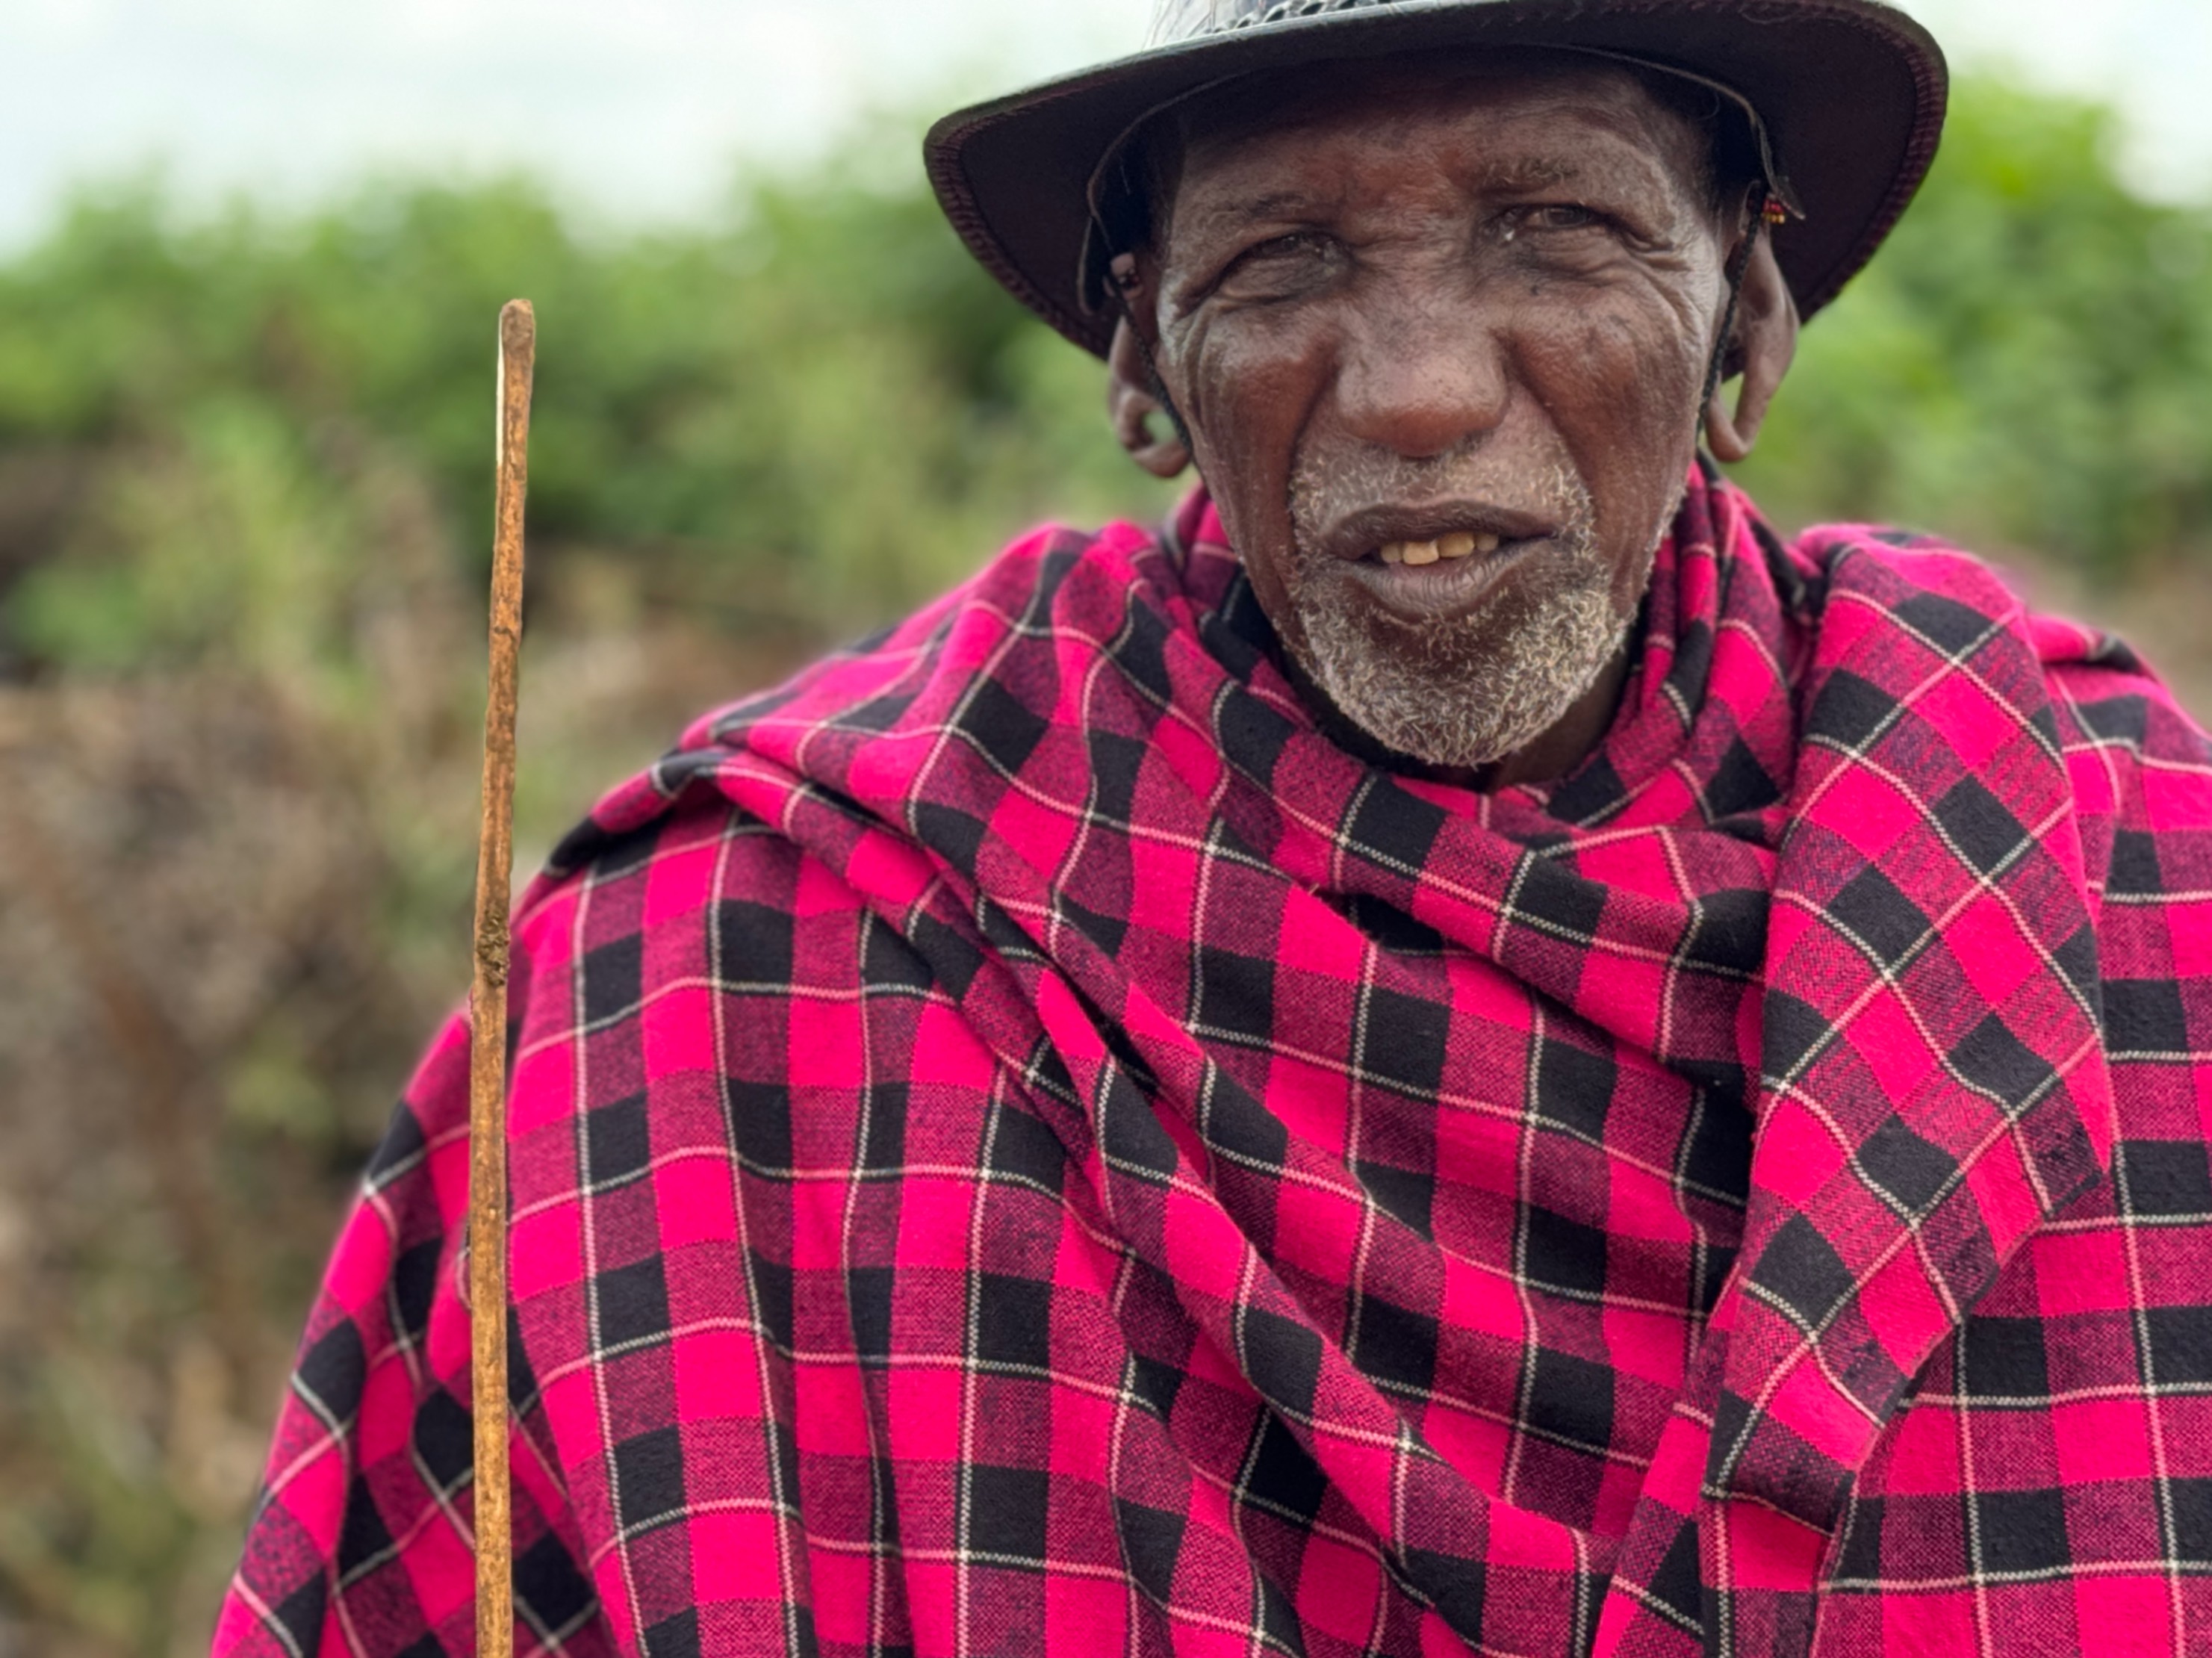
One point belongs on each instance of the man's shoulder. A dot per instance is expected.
(1959, 601)
(1954, 634)
(1931, 585)
(714, 808)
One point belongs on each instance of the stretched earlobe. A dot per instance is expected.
(1135, 408)
(1765, 344)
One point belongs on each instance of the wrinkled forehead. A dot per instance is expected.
(1522, 99)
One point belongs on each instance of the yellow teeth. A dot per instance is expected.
(1460, 543)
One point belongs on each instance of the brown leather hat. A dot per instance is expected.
(1847, 97)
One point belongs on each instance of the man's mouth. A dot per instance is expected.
(1440, 531)
(1425, 562)
(1440, 573)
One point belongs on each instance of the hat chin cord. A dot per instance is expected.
(1158, 386)
(1738, 266)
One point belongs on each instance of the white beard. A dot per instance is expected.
(1469, 690)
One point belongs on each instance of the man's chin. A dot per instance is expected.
(1454, 700)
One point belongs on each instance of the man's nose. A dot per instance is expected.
(1423, 379)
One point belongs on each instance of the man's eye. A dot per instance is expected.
(1554, 215)
(1292, 247)
(1279, 266)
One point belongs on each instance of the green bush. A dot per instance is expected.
(245, 505)
(2029, 360)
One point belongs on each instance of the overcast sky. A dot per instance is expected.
(641, 107)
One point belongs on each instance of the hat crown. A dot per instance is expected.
(1850, 92)
(1175, 20)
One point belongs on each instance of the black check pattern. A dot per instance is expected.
(1021, 1146)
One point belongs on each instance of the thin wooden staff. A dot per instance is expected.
(495, 1524)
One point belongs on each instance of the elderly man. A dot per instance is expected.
(1461, 1052)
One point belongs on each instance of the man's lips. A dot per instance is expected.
(1456, 529)
(1443, 590)
(1437, 561)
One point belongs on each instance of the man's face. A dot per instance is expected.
(1439, 331)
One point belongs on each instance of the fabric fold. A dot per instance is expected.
(1024, 1144)
(1924, 1077)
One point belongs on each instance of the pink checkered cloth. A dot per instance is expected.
(1021, 1146)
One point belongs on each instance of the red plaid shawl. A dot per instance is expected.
(1020, 1145)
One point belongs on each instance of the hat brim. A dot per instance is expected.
(1852, 93)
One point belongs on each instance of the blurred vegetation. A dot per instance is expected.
(2029, 362)
(245, 471)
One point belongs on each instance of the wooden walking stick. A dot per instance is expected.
(494, 1525)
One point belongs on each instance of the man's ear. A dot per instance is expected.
(1134, 406)
(1764, 345)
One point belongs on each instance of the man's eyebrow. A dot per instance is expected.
(1244, 210)
(1528, 173)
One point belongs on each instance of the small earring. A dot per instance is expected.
(1776, 213)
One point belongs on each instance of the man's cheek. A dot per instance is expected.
(1632, 365)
